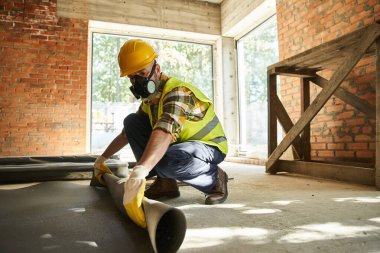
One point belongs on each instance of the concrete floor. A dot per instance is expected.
(264, 213)
(282, 213)
(67, 217)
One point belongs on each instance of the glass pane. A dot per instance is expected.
(112, 100)
(256, 50)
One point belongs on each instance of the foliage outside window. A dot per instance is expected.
(256, 50)
(112, 100)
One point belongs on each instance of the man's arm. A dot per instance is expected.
(158, 143)
(118, 143)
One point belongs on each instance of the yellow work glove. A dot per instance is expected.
(100, 168)
(134, 189)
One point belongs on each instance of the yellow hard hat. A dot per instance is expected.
(134, 55)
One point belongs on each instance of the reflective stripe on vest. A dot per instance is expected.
(219, 139)
(206, 129)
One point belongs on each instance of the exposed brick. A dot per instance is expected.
(345, 115)
(355, 122)
(340, 153)
(32, 35)
(362, 138)
(325, 153)
(365, 154)
(327, 139)
(318, 146)
(344, 138)
(367, 129)
(357, 146)
(335, 146)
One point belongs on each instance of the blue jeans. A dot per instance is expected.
(192, 162)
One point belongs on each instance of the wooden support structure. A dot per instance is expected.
(344, 53)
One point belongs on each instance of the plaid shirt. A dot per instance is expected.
(179, 104)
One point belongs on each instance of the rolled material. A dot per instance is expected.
(115, 186)
(166, 225)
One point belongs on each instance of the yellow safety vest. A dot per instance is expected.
(208, 130)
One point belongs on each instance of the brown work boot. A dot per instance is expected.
(219, 192)
(162, 187)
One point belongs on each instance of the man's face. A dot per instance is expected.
(151, 71)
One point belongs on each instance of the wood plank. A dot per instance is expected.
(287, 124)
(322, 63)
(352, 174)
(318, 55)
(377, 114)
(331, 56)
(290, 71)
(305, 102)
(349, 163)
(191, 16)
(272, 118)
(367, 40)
(349, 98)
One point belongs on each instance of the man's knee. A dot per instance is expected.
(175, 158)
(137, 121)
(130, 120)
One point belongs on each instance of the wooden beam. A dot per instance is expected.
(289, 71)
(352, 174)
(377, 153)
(349, 98)
(368, 37)
(286, 124)
(272, 118)
(305, 102)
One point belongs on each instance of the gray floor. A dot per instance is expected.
(61, 216)
(282, 213)
(264, 213)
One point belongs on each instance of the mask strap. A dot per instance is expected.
(151, 71)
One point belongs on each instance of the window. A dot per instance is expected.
(255, 51)
(111, 99)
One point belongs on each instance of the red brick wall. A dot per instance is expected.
(43, 80)
(339, 131)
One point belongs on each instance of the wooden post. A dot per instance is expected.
(305, 102)
(272, 118)
(377, 151)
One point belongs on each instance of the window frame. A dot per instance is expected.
(240, 151)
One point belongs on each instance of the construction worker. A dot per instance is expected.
(174, 135)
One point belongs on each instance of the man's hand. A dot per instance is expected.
(100, 168)
(134, 183)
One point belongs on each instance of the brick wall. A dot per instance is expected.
(339, 131)
(43, 80)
